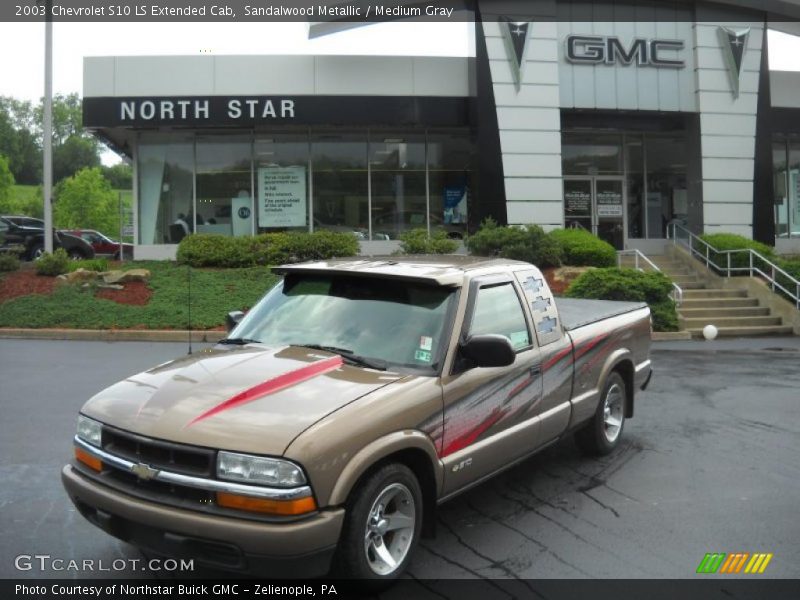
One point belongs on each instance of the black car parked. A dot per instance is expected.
(28, 233)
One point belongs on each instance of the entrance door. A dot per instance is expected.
(596, 204)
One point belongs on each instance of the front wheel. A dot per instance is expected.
(602, 434)
(382, 526)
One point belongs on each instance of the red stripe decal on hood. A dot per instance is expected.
(274, 385)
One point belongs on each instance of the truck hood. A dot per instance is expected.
(248, 399)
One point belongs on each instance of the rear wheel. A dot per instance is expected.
(75, 254)
(603, 433)
(382, 526)
(36, 252)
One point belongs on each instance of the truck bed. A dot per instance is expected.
(577, 312)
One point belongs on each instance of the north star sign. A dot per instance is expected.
(609, 50)
(200, 109)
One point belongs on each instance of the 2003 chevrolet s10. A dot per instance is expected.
(349, 402)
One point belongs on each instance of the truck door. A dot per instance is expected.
(490, 413)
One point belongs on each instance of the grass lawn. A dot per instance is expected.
(215, 292)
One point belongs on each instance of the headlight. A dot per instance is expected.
(257, 469)
(90, 430)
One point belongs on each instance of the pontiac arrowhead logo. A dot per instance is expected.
(143, 471)
(515, 34)
(734, 45)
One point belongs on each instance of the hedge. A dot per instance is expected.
(582, 249)
(215, 250)
(529, 243)
(53, 264)
(732, 241)
(8, 262)
(631, 285)
(417, 241)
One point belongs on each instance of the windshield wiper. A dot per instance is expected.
(239, 341)
(372, 363)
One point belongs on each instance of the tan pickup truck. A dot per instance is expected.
(355, 397)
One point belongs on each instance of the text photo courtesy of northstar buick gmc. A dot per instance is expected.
(355, 397)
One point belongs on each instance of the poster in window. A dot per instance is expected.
(577, 203)
(282, 198)
(455, 204)
(609, 203)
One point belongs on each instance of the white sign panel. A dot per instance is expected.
(282, 197)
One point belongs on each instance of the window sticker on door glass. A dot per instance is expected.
(422, 356)
(519, 339)
(425, 343)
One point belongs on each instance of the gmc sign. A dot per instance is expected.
(609, 50)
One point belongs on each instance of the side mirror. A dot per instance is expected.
(232, 319)
(488, 350)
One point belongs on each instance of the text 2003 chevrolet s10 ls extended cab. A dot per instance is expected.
(349, 402)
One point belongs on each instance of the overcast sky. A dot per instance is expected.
(22, 46)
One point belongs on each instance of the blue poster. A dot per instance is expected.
(455, 204)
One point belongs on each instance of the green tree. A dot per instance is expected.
(86, 200)
(120, 176)
(6, 183)
(74, 154)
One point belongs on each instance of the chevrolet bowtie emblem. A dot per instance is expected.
(143, 471)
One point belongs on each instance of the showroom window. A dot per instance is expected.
(166, 188)
(398, 189)
(786, 170)
(449, 175)
(340, 183)
(224, 186)
(281, 173)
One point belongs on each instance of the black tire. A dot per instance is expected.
(599, 436)
(35, 252)
(356, 557)
(75, 254)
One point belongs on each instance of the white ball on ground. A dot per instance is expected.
(710, 332)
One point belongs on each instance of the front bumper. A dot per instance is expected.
(298, 549)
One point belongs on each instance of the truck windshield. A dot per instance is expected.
(399, 322)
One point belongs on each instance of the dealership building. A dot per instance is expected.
(614, 123)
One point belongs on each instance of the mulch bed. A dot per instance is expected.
(557, 287)
(135, 293)
(24, 283)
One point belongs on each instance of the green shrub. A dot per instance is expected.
(731, 241)
(630, 285)
(792, 267)
(529, 243)
(417, 241)
(53, 264)
(8, 262)
(92, 264)
(580, 248)
(214, 250)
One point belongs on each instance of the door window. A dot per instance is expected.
(498, 311)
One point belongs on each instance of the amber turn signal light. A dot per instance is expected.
(90, 461)
(298, 506)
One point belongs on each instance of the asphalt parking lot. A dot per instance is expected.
(710, 463)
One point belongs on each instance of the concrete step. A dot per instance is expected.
(731, 322)
(681, 279)
(747, 311)
(713, 303)
(678, 273)
(691, 285)
(715, 293)
(746, 331)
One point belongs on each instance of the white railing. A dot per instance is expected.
(638, 259)
(756, 264)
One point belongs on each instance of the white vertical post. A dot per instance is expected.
(47, 132)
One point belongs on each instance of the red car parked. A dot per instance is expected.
(102, 245)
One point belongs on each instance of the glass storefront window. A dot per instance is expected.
(397, 175)
(449, 178)
(165, 190)
(634, 155)
(224, 186)
(667, 199)
(281, 171)
(793, 192)
(781, 188)
(591, 153)
(340, 183)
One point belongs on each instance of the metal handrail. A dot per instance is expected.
(767, 269)
(677, 291)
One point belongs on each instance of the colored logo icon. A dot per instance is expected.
(735, 563)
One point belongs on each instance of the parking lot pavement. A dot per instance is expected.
(710, 463)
